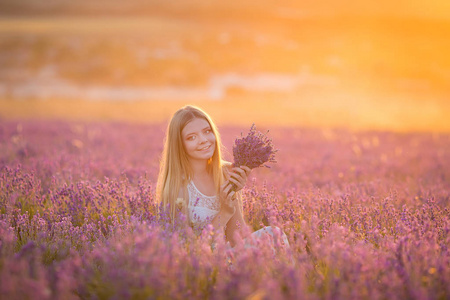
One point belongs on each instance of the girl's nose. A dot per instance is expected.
(202, 139)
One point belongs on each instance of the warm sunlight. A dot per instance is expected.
(213, 149)
(343, 64)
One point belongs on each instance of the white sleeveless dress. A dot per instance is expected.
(202, 210)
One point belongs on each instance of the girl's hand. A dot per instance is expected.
(227, 198)
(239, 176)
(227, 207)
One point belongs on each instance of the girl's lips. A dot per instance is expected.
(205, 148)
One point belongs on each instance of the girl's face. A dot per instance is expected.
(198, 139)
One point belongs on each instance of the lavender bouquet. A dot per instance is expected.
(253, 150)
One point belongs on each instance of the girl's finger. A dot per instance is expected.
(237, 183)
(243, 172)
(240, 170)
(227, 189)
(224, 184)
(237, 176)
(246, 169)
(234, 180)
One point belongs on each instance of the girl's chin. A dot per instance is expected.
(205, 156)
(197, 158)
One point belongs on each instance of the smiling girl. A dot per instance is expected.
(195, 180)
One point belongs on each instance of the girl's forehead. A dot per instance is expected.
(194, 126)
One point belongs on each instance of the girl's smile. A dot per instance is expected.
(204, 148)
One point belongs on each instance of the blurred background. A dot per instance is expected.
(364, 65)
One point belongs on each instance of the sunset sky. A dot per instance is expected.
(348, 63)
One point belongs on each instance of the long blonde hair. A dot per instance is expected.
(175, 170)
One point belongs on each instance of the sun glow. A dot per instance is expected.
(345, 64)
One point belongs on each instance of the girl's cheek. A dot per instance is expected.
(192, 145)
(188, 145)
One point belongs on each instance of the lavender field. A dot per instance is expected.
(366, 215)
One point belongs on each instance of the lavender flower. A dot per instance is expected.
(358, 224)
(253, 150)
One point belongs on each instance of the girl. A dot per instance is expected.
(194, 179)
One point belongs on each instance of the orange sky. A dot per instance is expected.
(340, 64)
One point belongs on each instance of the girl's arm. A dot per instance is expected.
(227, 209)
(221, 219)
(230, 218)
(238, 176)
(237, 223)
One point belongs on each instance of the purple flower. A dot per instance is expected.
(253, 150)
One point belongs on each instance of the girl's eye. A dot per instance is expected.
(208, 131)
(191, 138)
